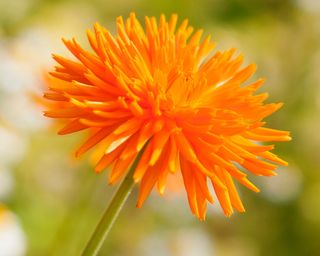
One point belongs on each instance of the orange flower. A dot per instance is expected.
(161, 86)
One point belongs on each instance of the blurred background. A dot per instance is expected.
(50, 202)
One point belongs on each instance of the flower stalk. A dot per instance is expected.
(111, 213)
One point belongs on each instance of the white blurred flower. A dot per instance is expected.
(310, 5)
(283, 187)
(12, 146)
(22, 61)
(12, 238)
(183, 242)
(192, 242)
(22, 113)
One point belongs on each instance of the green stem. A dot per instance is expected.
(112, 212)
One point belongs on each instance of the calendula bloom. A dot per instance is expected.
(162, 87)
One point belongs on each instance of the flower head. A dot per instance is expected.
(162, 86)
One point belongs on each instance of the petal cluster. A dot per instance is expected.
(163, 86)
